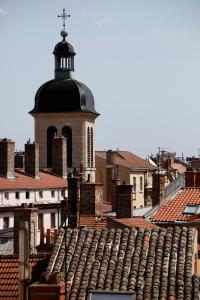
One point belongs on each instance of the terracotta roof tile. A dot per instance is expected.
(107, 207)
(156, 263)
(132, 223)
(173, 210)
(23, 182)
(9, 274)
(92, 222)
(128, 159)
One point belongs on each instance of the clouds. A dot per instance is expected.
(103, 22)
(3, 12)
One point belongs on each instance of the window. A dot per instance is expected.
(91, 146)
(111, 295)
(141, 206)
(40, 221)
(191, 209)
(17, 195)
(53, 220)
(6, 195)
(88, 177)
(141, 183)
(88, 146)
(41, 194)
(63, 193)
(90, 150)
(27, 195)
(134, 206)
(6, 222)
(52, 194)
(134, 184)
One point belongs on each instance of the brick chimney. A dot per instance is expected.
(109, 157)
(59, 156)
(7, 149)
(109, 174)
(32, 159)
(124, 201)
(28, 214)
(91, 199)
(192, 178)
(73, 205)
(115, 182)
(19, 160)
(158, 182)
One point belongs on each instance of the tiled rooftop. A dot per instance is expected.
(132, 223)
(23, 182)
(128, 159)
(9, 274)
(156, 263)
(92, 222)
(173, 210)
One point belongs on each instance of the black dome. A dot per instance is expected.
(64, 49)
(66, 95)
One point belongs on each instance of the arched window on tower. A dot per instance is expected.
(91, 148)
(51, 131)
(67, 133)
(88, 147)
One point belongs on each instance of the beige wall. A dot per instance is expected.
(125, 175)
(138, 194)
(79, 122)
(101, 173)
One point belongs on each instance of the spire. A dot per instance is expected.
(64, 16)
(64, 53)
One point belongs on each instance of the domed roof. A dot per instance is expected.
(64, 49)
(64, 95)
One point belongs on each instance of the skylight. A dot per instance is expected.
(105, 295)
(191, 209)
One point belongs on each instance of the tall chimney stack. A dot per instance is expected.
(91, 202)
(158, 188)
(73, 202)
(32, 159)
(124, 201)
(109, 174)
(59, 156)
(27, 214)
(7, 165)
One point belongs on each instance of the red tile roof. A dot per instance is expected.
(23, 182)
(128, 159)
(92, 222)
(181, 169)
(173, 210)
(155, 263)
(107, 207)
(132, 223)
(9, 274)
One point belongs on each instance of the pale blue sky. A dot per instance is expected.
(140, 58)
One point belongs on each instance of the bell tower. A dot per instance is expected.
(65, 106)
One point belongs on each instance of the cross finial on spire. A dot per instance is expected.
(64, 16)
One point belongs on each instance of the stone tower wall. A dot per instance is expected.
(79, 123)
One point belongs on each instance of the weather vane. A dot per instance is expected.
(64, 16)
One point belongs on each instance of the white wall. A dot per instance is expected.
(34, 196)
